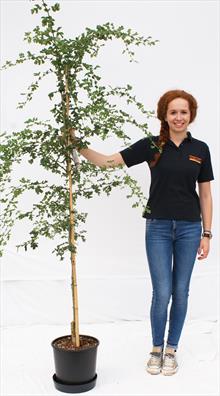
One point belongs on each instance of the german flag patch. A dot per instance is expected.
(195, 159)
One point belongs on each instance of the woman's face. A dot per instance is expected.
(178, 115)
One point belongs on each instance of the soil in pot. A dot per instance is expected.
(66, 343)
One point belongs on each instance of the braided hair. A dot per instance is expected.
(162, 107)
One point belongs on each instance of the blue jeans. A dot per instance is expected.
(171, 247)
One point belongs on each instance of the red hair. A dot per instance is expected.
(162, 107)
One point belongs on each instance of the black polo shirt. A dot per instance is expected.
(173, 179)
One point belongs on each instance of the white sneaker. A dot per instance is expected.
(155, 362)
(170, 365)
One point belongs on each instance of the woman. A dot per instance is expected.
(173, 225)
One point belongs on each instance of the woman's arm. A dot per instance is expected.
(101, 159)
(205, 198)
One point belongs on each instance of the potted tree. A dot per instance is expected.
(80, 102)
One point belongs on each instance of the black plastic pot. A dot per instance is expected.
(75, 370)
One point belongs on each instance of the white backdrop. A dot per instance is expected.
(186, 57)
(114, 282)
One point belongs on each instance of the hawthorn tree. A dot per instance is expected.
(79, 102)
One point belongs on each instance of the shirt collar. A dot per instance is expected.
(188, 138)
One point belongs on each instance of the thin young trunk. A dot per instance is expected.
(75, 322)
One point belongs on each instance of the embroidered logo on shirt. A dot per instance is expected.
(195, 159)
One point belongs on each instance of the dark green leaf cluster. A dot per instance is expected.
(79, 101)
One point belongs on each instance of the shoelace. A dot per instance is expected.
(169, 359)
(155, 356)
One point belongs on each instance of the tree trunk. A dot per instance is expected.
(75, 322)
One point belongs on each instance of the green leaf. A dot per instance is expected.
(55, 7)
(36, 9)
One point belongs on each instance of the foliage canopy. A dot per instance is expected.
(79, 101)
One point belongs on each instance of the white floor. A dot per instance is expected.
(27, 360)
